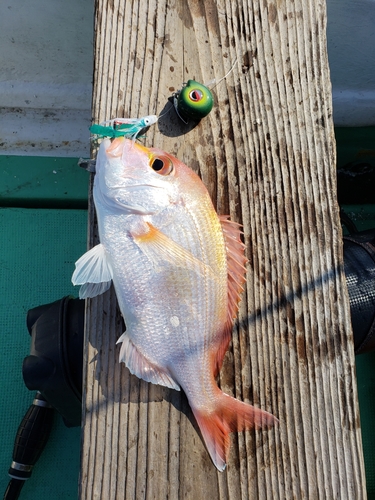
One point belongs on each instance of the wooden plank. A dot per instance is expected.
(267, 156)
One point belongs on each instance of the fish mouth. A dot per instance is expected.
(137, 186)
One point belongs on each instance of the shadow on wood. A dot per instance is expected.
(170, 125)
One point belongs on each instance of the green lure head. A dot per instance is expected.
(194, 101)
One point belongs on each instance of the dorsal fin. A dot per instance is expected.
(236, 262)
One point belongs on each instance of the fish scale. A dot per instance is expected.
(178, 270)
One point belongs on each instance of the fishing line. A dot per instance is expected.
(167, 111)
(211, 82)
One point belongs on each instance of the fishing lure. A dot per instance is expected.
(123, 127)
(195, 101)
(117, 127)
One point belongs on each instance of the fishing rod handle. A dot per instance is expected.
(31, 438)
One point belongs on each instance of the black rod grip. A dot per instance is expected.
(31, 438)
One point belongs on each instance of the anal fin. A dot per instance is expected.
(141, 367)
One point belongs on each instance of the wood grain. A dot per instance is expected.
(267, 156)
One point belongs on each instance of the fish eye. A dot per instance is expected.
(157, 164)
(161, 165)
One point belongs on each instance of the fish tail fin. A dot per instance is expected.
(230, 415)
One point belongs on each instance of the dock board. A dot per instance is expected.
(266, 153)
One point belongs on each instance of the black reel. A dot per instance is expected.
(359, 262)
(54, 366)
(54, 369)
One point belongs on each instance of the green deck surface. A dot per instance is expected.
(364, 218)
(365, 364)
(356, 152)
(355, 144)
(39, 248)
(40, 241)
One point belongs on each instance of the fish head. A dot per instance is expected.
(140, 180)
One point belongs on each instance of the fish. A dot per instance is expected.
(178, 269)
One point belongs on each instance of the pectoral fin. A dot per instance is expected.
(159, 248)
(93, 272)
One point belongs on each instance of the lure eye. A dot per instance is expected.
(196, 95)
(162, 165)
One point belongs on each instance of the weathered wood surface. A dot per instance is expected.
(267, 155)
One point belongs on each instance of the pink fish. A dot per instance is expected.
(178, 270)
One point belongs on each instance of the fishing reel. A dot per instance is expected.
(54, 369)
(359, 265)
